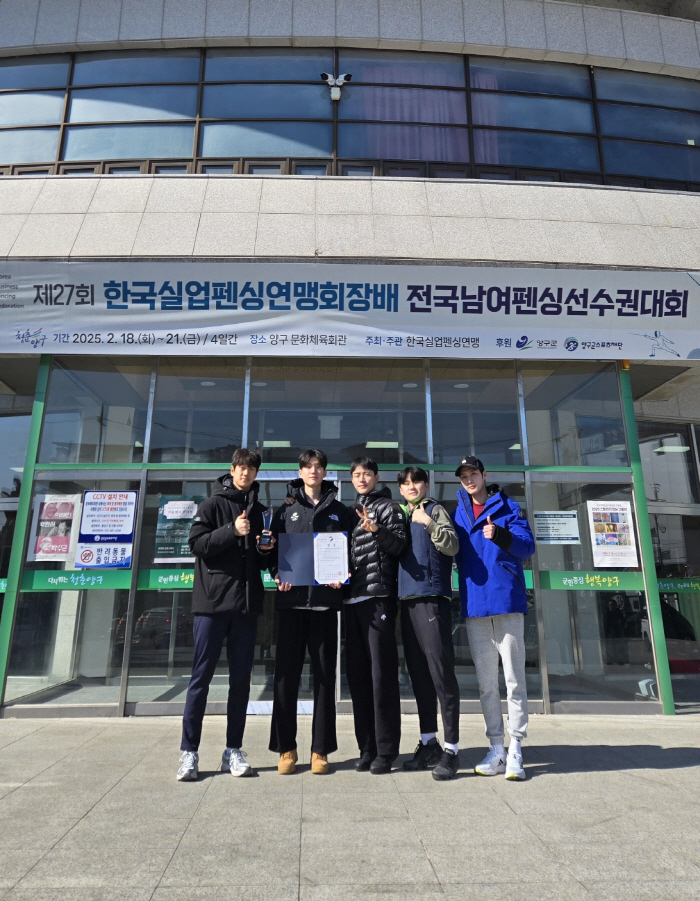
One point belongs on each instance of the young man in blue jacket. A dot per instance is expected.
(494, 539)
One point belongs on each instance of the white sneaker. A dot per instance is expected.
(234, 761)
(189, 767)
(493, 764)
(514, 768)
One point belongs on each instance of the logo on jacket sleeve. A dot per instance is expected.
(295, 516)
(333, 516)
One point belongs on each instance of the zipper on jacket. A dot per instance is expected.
(514, 574)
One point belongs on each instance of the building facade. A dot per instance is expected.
(484, 240)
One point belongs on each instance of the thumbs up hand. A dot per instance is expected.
(489, 529)
(241, 526)
(418, 514)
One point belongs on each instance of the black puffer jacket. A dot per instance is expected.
(329, 515)
(375, 555)
(227, 567)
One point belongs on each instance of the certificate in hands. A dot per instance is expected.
(331, 557)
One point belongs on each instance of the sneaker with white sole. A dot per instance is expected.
(514, 768)
(234, 761)
(189, 767)
(493, 764)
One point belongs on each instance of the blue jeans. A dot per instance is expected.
(210, 630)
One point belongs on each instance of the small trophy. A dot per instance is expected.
(266, 537)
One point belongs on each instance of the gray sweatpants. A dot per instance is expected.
(489, 637)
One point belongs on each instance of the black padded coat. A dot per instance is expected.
(375, 555)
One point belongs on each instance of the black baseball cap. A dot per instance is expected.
(471, 463)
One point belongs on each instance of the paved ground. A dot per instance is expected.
(90, 811)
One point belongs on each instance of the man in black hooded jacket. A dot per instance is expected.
(307, 618)
(227, 598)
(372, 658)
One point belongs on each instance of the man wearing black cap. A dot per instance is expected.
(494, 539)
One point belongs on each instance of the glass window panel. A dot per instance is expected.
(404, 142)
(17, 386)
(49, 72)
(574, 414)
(28, 145)
(96, 410)
(124, 104)
(67, 648)
(311, 170)
(403, 105)
(649, 124)
(395, 67)
(475, 411)
(264, 170)
(135, 67)
(532, 112)
(667, 460)
(359, 171)
(124, 170)
(267, 64)
(170, 170)
(31, 109)
(286, 101)
(198, 413)
(123, 142)
(529, 77)
(596, 645)
(345, 409)
(265, 139)
(640, 87)
(511, 148)
(632, 158)
(217, 170)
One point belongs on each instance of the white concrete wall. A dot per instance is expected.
(541, 29)
(298, 218)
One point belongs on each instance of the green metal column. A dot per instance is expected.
(22, 523)
(663, 672)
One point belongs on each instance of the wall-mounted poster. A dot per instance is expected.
(175, 515)
(612, 533)
(106, 537)
(53, 535)
(556, 527)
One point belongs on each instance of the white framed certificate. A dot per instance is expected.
(331, 557)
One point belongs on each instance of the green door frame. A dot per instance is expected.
(22, 522)
(663, 671)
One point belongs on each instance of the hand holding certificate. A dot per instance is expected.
(331, 558)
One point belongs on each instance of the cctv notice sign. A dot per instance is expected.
(106, 538)
(353, 310)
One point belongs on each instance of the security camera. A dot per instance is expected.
(335, 84)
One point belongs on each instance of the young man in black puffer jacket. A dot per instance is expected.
(307, 619)
(372, 658)
(227, 598)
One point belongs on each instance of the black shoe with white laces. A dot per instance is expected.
(425, 757)
(447, 767)
(363, 764)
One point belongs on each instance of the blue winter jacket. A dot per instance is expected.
(491, 579)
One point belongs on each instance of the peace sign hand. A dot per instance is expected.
(365, 522)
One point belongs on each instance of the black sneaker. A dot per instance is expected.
(363, 764)
(447, 767)
(425, 757)
(380, 765)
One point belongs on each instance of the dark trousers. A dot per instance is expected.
(426, 627)
(372, 665)
(239, 630)
(297, 631)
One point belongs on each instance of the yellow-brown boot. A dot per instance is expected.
(287, 763)
(319, 764)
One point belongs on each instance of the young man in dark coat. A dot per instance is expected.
(425, 590)
(227, 598)
(307, 619)
(372, 657)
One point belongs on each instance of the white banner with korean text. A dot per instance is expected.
(265, 309)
